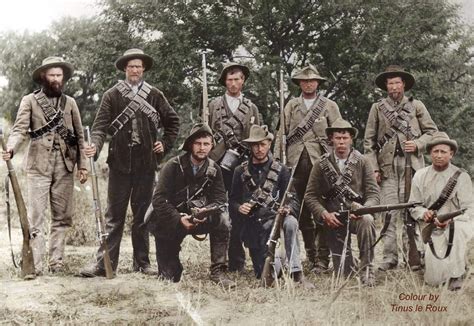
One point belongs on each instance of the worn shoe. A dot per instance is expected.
(148, 270)
(387, 266)
(298, 278)
(221, 279)
(455, 283)
(92, 271)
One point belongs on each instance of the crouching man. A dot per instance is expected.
(444, 188)
(343, 179)
(187, 185)
(257, 187)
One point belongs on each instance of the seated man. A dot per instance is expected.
(258, 185)
(444, 188)
(191, 180)
(343, 179)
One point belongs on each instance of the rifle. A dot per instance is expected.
(427, 230)
(267, 275)
(109, 273)
(414, 259)
(203, 213)
(27, 260)
(205, 107)
(282, 121)
(343, 215)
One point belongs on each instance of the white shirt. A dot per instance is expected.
(309, 102)
(233, 102)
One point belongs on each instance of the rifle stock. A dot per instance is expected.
(27, 260)
(109, 273)
(204, 213)
(428, 229)
(267, 274)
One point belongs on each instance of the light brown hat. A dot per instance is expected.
(440, 137)
(197, 129)
(391, 72)
(52, 62)
(230, 65)
(131, 54)
(308, 72)
(341, 124)
(258, 133)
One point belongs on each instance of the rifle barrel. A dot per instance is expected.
(383, 208)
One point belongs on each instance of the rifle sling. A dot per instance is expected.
(386, 223)
(7, 201)
(137, 103)
(450, 243)
(307, 123)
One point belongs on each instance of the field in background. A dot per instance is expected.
(133, 298)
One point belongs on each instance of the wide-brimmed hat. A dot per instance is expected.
(197, 129)
(258, 134)
(51, 62)
(440, 137)
(391, 72)
(341, 124)
(308, 72)
(230, 65)
(131, 54)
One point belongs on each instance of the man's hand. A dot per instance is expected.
(439, 224)
(284, 210)
(410, 146)
(90, 151)
(82, 175)
(245, 208)
(378, 176)
(188, 225)
(331, 220)
(158, 147)
(7, 155)
(428, 216)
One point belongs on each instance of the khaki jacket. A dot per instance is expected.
(363, 182)
(295, 111)
(422, 127)
(218, 108)
(30, 116)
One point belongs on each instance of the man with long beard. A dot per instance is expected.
(55, 148)
(132, 112)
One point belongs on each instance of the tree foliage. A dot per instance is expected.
(350, 41)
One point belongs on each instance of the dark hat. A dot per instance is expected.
(307, 73)
(131, 54)
(51, 62)
(391, 72)
(440, 137)
(230, 65)
(197, 129)
(341, 124)
(258, 134)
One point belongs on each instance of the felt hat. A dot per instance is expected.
(341, 124)
(52, 62)
(440, 137)
(258, 134)
(307, 73)
(230, 65)
(131, 54)
(391, 72)
(197, 129)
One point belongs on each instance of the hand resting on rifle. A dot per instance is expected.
(410, 146)
(245, 208)
(7, 155)
(430, 215)
(331, 220)
(89, 151)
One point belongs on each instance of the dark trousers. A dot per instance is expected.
(167, 249)
(137, 188)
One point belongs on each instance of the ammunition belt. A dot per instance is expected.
(307, 123)
(447, 191)
(228, 125)
(263, 195)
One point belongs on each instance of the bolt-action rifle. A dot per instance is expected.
(343, 215)
(427, 230)
(27, 261)
(205, 100)
(102, 235)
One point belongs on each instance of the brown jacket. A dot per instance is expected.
(421, 125)
(218, 109)
(113, 103)
(30, 116)
(295, 111)
(363, 183)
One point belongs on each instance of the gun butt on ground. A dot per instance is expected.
(427, 230)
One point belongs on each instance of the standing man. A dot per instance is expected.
(230, 117)
(396, 124)
(306, 119)
(132, 112)
(344, 179)
(258, 187)
(444, 188)
(53, 122)
(186, 182)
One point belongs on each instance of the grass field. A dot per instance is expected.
(133, 298)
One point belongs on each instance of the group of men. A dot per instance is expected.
(228, 163)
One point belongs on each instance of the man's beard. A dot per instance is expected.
(52, 89)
